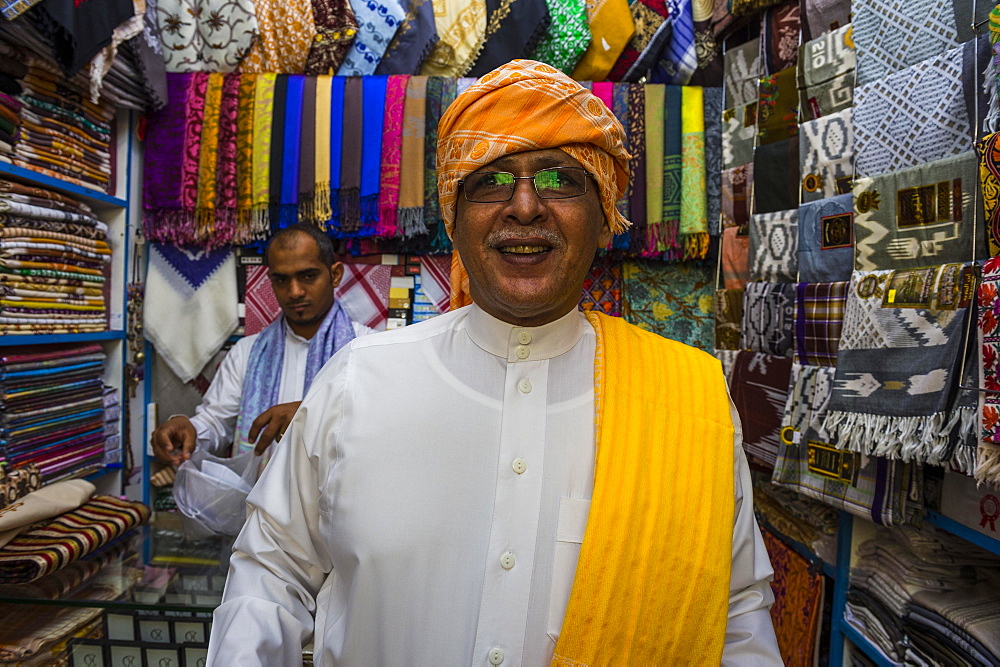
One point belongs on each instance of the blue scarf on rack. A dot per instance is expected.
(373, 103)
(262, 382)
(336, 145)
(292, 133)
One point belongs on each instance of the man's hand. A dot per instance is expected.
(174, 440)
(271, 425)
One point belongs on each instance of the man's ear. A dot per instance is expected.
(337, 273)
(605, 237)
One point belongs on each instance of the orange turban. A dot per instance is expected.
(525, 106)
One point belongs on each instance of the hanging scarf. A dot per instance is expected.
(694, 225)
(223, 228)
(826, 240)
(728, 318)
(713, 157)
(710, 18)
(170, 192)
(245, 229)
(780, 36)
(321, 213)
(460, 26)
(826, 74)
(392, 149)
(601, 626)
(742, 69)
(263, 117)
(672, 176)
(513, 28)
(277, 150)
(777, 115)
(378, 21)
(611, 28)
(653, 122)
(759, 388)
(896, 366)
(374, 91)
(681, 58)
(262, 382)
(336, 146)
(440, 94)
(739, 133)
(826, 153)
(768, 318)
(288, 210)
(307, 153)
(774, 246)
(567, 38)
(918, 217)
(637, 164)
(989, 179)
(819, 319)
(286, 30)
(776, 176)
(350, 159)
(413, 41)
(620, 92)
(735, 258)
(336, 28)
(988, 451)
(411, 181)
(653, 28)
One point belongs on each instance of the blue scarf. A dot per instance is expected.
(336, 144)
(262, 381)
(292, 133)
(373, 103)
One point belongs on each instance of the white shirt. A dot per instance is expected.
(439, 493)
(215, 419)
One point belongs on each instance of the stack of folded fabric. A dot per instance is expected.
(793, 516)
(926, 597)
(53, 409)
(10, 108)
(53, 263)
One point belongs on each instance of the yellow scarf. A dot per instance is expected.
(652, 584)
(611, 28)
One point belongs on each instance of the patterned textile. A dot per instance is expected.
(602, 288)
(205, 35)
(739, 132)
(896, 367)
(780, 36)
(735, 258)
(736, 195)
(989, 179)
(513, 28)
(774, 239)
(364, 293)
(892, 35)
(759, 388)
(680, 56)
(72, 535)
(261, 305)
(826, 74)
(968, 615)
(435, 275)
(497, 116)
(776, 176)
(826, 153)
(988, 453)
(728, 360)
(672, 300)
(652, 29)
(76, 32)
(262, 380)
(917, 217)
(378, 21)
(412, 42)
(15, 484)
(694, 225)
(823, 16)
(285, 31)
(810, 462)
(713, 157)
(567, 38)
(826, 240)
(914, 116)
(743, 67)
(336, 27)
(728, 318)
(777, 116)
(768, 318)
(460, 26)
(819, 319)
(392, 153)
(200, 284)
(411, 177)
(798, 602)
(611, 28)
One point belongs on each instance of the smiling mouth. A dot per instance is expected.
(524, 249)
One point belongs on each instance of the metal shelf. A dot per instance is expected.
(963, 531)
(862, 643)
(9, 340)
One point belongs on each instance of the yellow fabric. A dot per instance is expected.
(461, 29)
(652, 583)
(611, 29)
(321, 165)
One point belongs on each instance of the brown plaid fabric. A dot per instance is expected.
(819, 318)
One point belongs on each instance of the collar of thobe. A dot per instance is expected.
(292, 337)
(515, 343)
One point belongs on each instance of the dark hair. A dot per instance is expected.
(283, 237)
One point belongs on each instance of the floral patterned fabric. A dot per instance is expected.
(205, 35)
(286, 30)
(798, 595)
(673, 300)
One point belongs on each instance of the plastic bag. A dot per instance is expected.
(211, 493)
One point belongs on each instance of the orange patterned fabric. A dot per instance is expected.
(798, 602)
(285, 32)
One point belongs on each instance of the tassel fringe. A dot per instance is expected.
(988, 465)
(411, 222)
(923, 438)
(369, 210)
(350, 210)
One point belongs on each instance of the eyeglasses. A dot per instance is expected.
(491, 187)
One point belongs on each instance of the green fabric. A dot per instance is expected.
(674, 300)
(655, 99)
(568, 35)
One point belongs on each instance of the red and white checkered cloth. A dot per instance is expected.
(261, 306)
(435, 279)
(364, 293)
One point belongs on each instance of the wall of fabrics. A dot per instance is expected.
(854, 229)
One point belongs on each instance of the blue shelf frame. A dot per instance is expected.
(62, 186)
(828, 569)
(963, 531)
(859, 640)
(8, 340)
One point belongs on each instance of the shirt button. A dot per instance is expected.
(523, 337)
(524, 386)
(519, 465)
(507, 561)
(496, 656)
(522, 352)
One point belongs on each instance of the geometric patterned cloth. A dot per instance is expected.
(261, 305)
(826, 74)
(826, 153)
(798, 597)
(602, 289)
(759, 388)
(826, 239)
(739, 127)
(913, 116)
(917, 217)
(673, 300)
(819, 318)
(742, 67)
(364, 293)
(774, 246)
(768, 318)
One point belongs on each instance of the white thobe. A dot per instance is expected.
(215, 419)
(430, 504)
